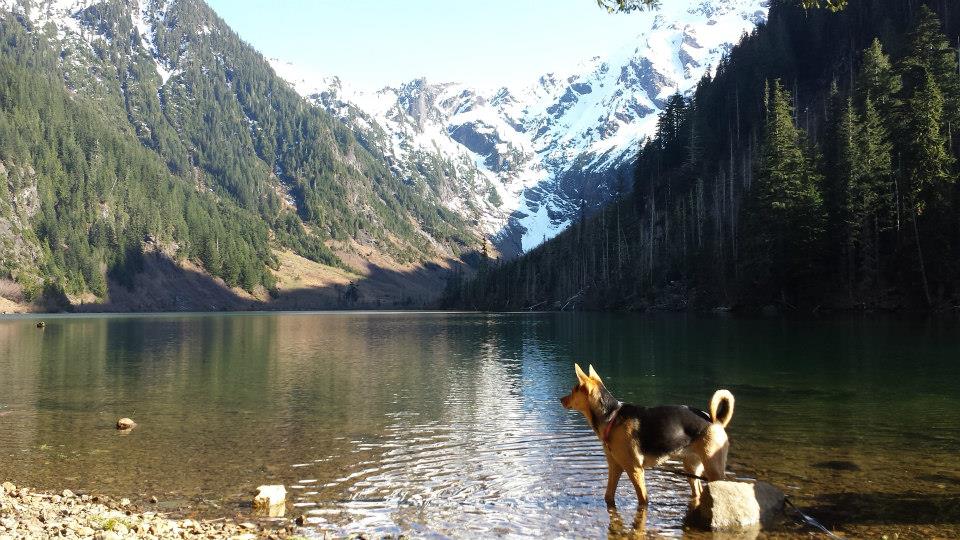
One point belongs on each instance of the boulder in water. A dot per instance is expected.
(126, 424)
(737, 506)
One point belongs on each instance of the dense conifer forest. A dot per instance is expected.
(816, 169)
(218, 160)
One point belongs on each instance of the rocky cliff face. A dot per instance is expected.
(523, 163)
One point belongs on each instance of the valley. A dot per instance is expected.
(390, 189)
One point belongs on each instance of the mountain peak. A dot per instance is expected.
(525, 159)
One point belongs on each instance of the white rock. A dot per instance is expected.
(737, 506)
(270, 500)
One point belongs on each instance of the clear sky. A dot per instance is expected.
(371, 43)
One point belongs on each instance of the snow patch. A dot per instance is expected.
(518, 142)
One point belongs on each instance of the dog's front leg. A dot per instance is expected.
(614, 471)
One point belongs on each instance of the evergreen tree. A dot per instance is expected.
(840, 166)
(928, 48)
(783, 221)
(927, 161)
(926, 166)
(878, 81)
(871, 194)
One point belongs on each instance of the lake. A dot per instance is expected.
(449, 424)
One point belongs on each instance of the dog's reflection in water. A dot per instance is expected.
(620, 529)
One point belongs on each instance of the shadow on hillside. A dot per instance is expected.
(165, 285)
(580, 193)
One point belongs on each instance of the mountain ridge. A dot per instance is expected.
(416, 178)
(553, 147)
(262, 171)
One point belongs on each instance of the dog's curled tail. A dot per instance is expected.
(721, 407)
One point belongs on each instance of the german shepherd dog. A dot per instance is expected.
(635, 438)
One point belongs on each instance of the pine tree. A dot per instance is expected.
(929, 48)
(840, 165)
(926, 161)
(783, 221)
(926, 158)
(878, 81)
(871, 193)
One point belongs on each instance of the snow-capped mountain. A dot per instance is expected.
(525, 162)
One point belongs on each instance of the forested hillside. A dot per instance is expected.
(127, 126)
(816, 169)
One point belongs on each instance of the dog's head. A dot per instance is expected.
(585, 392)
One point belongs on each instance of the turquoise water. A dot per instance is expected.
(449, 424)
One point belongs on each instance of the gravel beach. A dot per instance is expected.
(25, 513)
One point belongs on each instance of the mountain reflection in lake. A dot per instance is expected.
(449, 424)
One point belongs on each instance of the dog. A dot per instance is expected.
(635, 438)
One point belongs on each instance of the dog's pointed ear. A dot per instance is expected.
(580, 374)
(593, 374)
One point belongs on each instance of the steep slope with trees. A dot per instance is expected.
(126, 125)
(816, 169)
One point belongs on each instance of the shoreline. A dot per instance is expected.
(27, 513)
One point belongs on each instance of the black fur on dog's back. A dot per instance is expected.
(666, 429)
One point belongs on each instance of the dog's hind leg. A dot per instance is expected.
(639, 483)
(614, 471)
(693, 465)
(714, 453)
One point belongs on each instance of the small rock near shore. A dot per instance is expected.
(270, 501)
(125, 424)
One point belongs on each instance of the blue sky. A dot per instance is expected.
(379, 42)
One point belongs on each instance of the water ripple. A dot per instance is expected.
(500, 475)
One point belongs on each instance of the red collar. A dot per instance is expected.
(612, 420)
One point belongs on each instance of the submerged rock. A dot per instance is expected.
(737, 506)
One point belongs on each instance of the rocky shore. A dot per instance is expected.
(28, 514)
